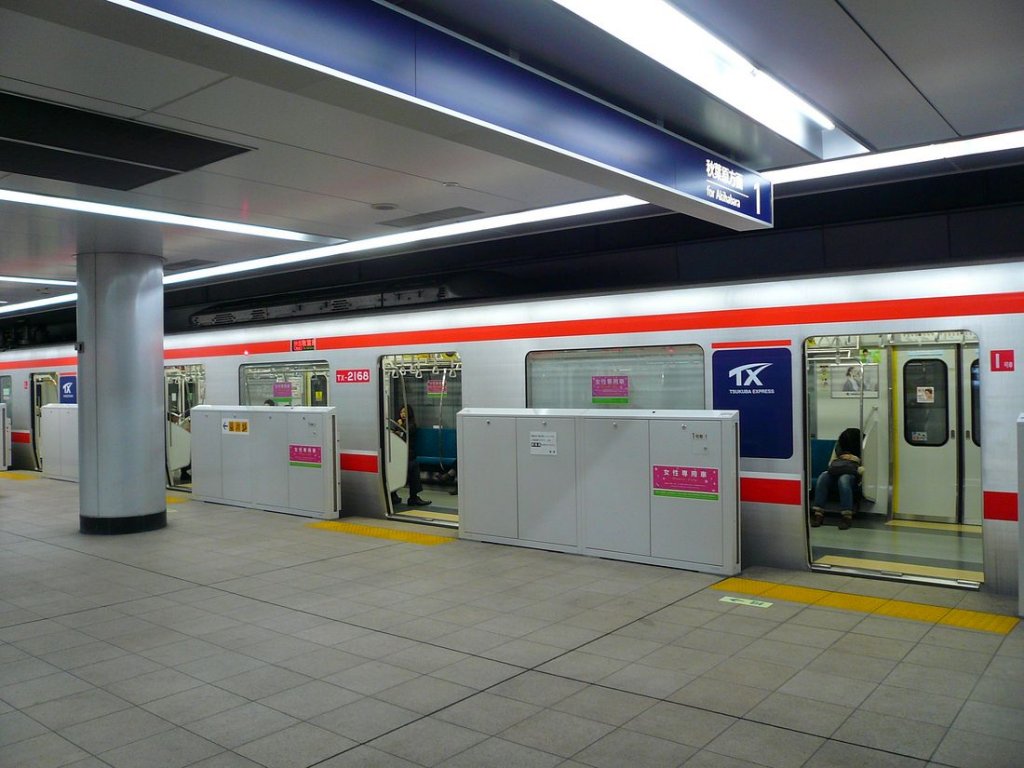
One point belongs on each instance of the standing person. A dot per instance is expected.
(407, 424)
(843, 473)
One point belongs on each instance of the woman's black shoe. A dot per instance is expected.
(416, 501)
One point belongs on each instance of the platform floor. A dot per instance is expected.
(242, 638)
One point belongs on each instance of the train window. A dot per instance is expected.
(303, 383)
(669, 377)
(976, 402)
(5, 389)
(925, 402)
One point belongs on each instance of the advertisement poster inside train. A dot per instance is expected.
(757, 382)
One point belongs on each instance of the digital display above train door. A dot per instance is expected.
(759, 384)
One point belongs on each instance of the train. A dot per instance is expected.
(921, 362)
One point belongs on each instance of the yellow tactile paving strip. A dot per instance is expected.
(18, 475)
(177, 500)
(914, 570)
(901, 609)
(410, 537)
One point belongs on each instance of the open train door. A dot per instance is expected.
(430, 384)
(45, 390)
(184, 388)
(915, 397)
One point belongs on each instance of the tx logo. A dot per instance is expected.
(752, 371)
(67, 386)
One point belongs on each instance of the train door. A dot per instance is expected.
(970, 365)
(44, 391)
(184, 388)
(917, 508)
(419, 468)
(6, 392)
(927, 447)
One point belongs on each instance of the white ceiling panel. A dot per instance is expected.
(125, 79)
(818, 49)
(251, 114)
(966, 58)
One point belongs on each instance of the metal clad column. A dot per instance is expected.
(120, 391)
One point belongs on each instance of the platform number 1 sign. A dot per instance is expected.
(1002, 360)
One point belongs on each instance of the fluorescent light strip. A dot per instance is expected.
(141, 214)
(36, 281)
(406, 238)
(68, 298)
(859, 164)
(374, 243)
(660, 31)
(900, 157)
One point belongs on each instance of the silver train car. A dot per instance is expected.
(921, 362)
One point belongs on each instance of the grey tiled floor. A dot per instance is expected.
(241, 638)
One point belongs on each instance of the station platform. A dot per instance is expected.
(238, 638)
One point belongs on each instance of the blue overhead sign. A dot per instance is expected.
(377, 47)
(729, 186)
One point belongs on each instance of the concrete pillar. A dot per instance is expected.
(120, 391)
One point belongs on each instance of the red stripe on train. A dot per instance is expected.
(52, 362)
(21, 437)
(767, 491)
(896, 309)
(730, 318)
(230, 350)
(359, 462)
(751, 344)
(758, 317)
(1000, 505)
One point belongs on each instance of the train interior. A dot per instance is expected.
(915, 399)
(430, 385)
(45, 390)
(184, 388)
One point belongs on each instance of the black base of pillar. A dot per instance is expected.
(115, 525)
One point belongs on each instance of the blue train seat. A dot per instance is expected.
(435, 447)
(821, 454)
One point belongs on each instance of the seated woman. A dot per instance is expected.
(843, 474)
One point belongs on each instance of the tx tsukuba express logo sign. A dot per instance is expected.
(758, 383)
(748, 381)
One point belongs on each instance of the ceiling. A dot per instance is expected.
(250, 138)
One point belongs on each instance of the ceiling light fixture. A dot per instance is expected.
(36, 281)
(900, 157)
(490, 223)
(661, 32)
(407, 238)
(160, 217)
(67, 298)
